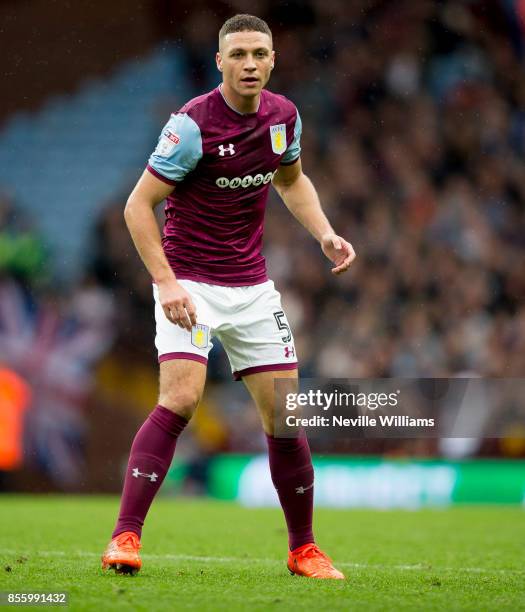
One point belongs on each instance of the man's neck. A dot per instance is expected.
(240, 104)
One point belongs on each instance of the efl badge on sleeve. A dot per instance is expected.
(278, 136)
(168, 141)
(200, 335)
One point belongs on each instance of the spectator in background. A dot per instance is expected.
(50, 343)
(22, 253)
(14, 399)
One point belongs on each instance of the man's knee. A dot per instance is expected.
(181, 401)
(181, 386)
(270, 390)
(273, 417)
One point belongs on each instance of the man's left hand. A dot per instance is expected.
(338, 251)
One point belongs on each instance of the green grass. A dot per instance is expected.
(205, 555)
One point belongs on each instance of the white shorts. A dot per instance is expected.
(249, 322)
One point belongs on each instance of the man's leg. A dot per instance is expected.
(290, 460)
(181, 387)
(292, 474)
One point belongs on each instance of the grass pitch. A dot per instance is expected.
(205, 555)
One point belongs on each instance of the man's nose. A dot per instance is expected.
(250, 63)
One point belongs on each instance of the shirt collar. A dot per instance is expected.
(234, 109)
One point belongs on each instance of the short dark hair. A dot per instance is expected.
(244, 23)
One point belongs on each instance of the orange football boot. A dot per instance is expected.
(310, 561)
(122, 554)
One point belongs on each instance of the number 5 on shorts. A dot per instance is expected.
(280, 319)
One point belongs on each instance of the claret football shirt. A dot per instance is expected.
(221, 163)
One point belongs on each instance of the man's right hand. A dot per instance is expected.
(177, 304)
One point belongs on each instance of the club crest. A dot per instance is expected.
(200, 336)
(278, 137)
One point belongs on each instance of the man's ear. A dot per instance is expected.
(218, 59)
(273, 60)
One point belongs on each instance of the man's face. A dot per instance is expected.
(246, 60)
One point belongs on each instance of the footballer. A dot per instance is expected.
(214, 162)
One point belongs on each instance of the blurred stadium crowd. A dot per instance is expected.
(414, 135)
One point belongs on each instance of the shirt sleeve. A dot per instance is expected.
(293, 152)
(178, 151)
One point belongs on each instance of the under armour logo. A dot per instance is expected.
(230, 148)
(153, 477)
(301, 490)
(289, 351)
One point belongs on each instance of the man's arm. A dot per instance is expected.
(301, 199)
(142, 225)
